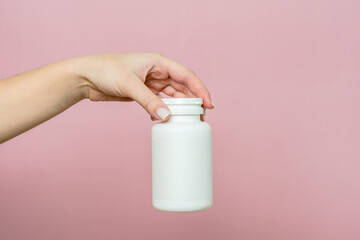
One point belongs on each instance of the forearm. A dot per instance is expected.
(33, 97)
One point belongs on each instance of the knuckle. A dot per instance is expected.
(159, 54)
(123, 89)
(197, 87)
(155, 54)
(150, 103)
(192, 72)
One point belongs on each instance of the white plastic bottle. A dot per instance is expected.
(182, 159)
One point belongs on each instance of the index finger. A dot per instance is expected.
(182, 74)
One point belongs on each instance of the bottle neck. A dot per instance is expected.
(184, 118)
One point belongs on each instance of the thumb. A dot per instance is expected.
(153, 104)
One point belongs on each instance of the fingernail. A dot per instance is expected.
(163, 113)
(204, 115)
(213, 104)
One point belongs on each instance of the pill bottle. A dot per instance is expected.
(182, 159)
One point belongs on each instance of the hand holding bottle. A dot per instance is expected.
(33, 97)
(140, 77)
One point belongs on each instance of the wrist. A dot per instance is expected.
(79, 82)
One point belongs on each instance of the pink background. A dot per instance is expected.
(285, 78)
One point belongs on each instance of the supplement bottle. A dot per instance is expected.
(182, 159)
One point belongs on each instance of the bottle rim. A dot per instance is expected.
(182, 101)
(184, 106)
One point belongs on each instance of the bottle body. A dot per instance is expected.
(182, 164)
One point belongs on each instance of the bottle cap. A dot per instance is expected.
(184, 106)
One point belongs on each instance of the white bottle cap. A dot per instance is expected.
(184, 106)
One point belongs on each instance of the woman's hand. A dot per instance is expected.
(33, 97)
(140, 77)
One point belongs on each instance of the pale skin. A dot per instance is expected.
(33, 97)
